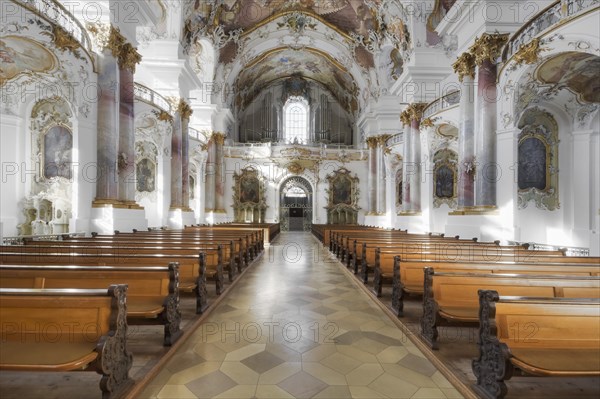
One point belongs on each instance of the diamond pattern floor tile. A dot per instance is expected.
(262, 362)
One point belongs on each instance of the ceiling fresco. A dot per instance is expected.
(576, 71)
(348, 15)
(21, 55)
(310, 64)
(308, 30)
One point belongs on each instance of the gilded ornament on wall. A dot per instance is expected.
(249, 196)
(295, 168)
(538, 160)
(343, 195)
(528, 53)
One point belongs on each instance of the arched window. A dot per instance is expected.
(295, 113)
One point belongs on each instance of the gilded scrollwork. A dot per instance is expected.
(414, 112)
(488, 47)
(343, 195)
(465, 66)
(528, 53)
(249, 196)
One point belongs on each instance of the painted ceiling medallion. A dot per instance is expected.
(577, 72)
(21, 55)
(311, 64)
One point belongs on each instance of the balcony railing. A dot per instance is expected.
(449, 100)
(196, 135)
(151, 97)
(53, 12)
(551, 16)
(395, 139)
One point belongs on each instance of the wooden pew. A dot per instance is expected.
(246, 250)
(192, 269)
(141, 247)
(379, 258)
(550, 337)
(453, 297)
(408, 275)
(152, 296)
(385, 260)
(67, 330)
(270, 230)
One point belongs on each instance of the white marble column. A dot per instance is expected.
(209, 181)
(372, 179)
(465, 68)
(176, 168)
(381, 175)
(186, 113)
(486, 51)
(128, 58)
(219, 139)
(107, 187)
(411, 118)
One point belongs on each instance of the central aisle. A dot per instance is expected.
(297, 326)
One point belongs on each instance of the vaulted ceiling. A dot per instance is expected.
(333, 42)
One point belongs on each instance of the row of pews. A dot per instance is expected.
(66, 305)
(538, 312)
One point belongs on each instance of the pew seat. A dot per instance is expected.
(67, 330)
(453, 297)
(153, 294)
(549, 337)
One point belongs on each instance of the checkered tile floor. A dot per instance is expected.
(296, 326)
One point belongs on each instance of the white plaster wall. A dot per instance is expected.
(12, 142)
(275, 176)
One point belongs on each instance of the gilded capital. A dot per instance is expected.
(528, 53)
(488, 47)
(129, 57)
(464, 66)
(372, 142)
(107, 37)
(382, 140)
(413, 112)
(184, 109)
(218, 137)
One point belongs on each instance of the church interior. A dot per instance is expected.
(271, 176)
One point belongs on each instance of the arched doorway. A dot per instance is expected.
(295, 204)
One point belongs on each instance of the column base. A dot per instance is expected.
(377, 219)
(107, 218)
(114, 203)
(411, 221)
(476, 210)
(217, 216)
(181, 217)
(485, 226)
(410, 213)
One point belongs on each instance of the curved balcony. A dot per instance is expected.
(555, 14)
(54, 13)
(151, 97)
(195, 134)
(441, 104)
(395, 139)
